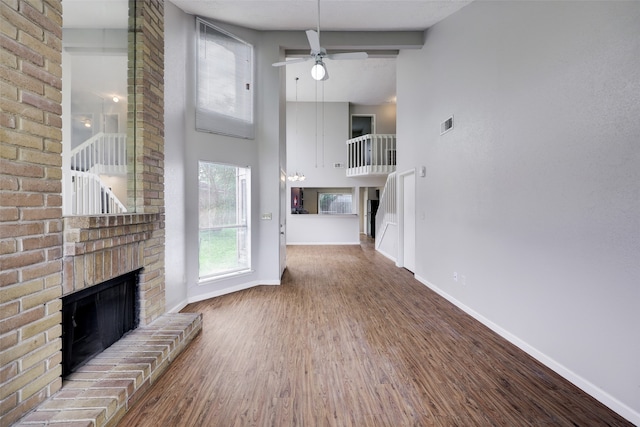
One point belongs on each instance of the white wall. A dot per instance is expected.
(266, 155)
(316, 139)
(177, 24)
(534, 196)
(323, 230)
(385, 116)
(185, 147)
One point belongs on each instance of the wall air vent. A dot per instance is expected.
(446, 126)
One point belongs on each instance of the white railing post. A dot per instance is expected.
(371, 155)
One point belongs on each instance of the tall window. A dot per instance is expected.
(334, 203)
(224, 219)
(224, 101)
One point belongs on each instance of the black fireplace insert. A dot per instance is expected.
(96, 317)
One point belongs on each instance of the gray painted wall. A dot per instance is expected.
(385, 115)
(315, 158)
(185, 147)
(176, 25)
(534, 196)
(266, 154)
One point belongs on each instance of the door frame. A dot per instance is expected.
(400, 261)
(282, 243)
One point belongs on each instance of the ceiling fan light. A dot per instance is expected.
(318, 71)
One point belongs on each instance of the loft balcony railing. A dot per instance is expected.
(373, 154)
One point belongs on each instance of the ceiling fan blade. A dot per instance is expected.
(314, 41)
(348, 55)
(291, 61)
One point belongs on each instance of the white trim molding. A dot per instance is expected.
(585, 385)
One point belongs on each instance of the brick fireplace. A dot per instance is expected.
(44, 256)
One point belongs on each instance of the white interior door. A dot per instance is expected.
(409, 221)
(283, 222)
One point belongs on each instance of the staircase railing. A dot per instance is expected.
(373, 154)
(387, 209)
(103, 153)
(92, 197)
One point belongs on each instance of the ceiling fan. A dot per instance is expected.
(318, 54)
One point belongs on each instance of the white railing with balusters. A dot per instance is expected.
(85, 193)
(387, 209)
(373, 154)
(103, 153)
(92, 197)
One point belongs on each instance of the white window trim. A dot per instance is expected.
(203, 280)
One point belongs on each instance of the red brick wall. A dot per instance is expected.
(31, 224)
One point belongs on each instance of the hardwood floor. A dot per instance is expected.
(348, 339)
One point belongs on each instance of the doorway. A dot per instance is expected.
(283, 221)
(362, 124)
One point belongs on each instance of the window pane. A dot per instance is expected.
(225, 83)
(223, 251)
(218, 195)
(223, 219)
(334, 203)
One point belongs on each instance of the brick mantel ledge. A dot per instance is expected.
(111, 230)
(99, 248)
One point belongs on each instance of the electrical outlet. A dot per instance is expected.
(455, 276)
(463, 279)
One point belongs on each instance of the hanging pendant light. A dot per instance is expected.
(297, 177)
(318, 71)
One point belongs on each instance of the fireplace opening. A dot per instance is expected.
(96, 317)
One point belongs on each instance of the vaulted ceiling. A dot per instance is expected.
(335, 15)
(368, 82)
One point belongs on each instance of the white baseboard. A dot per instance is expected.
(230, 289)
(179, 306)
(322, 243)
(588, 387)
(392, 258)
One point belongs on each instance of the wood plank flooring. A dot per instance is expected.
(349, 339)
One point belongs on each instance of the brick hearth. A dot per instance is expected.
(100, 392)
